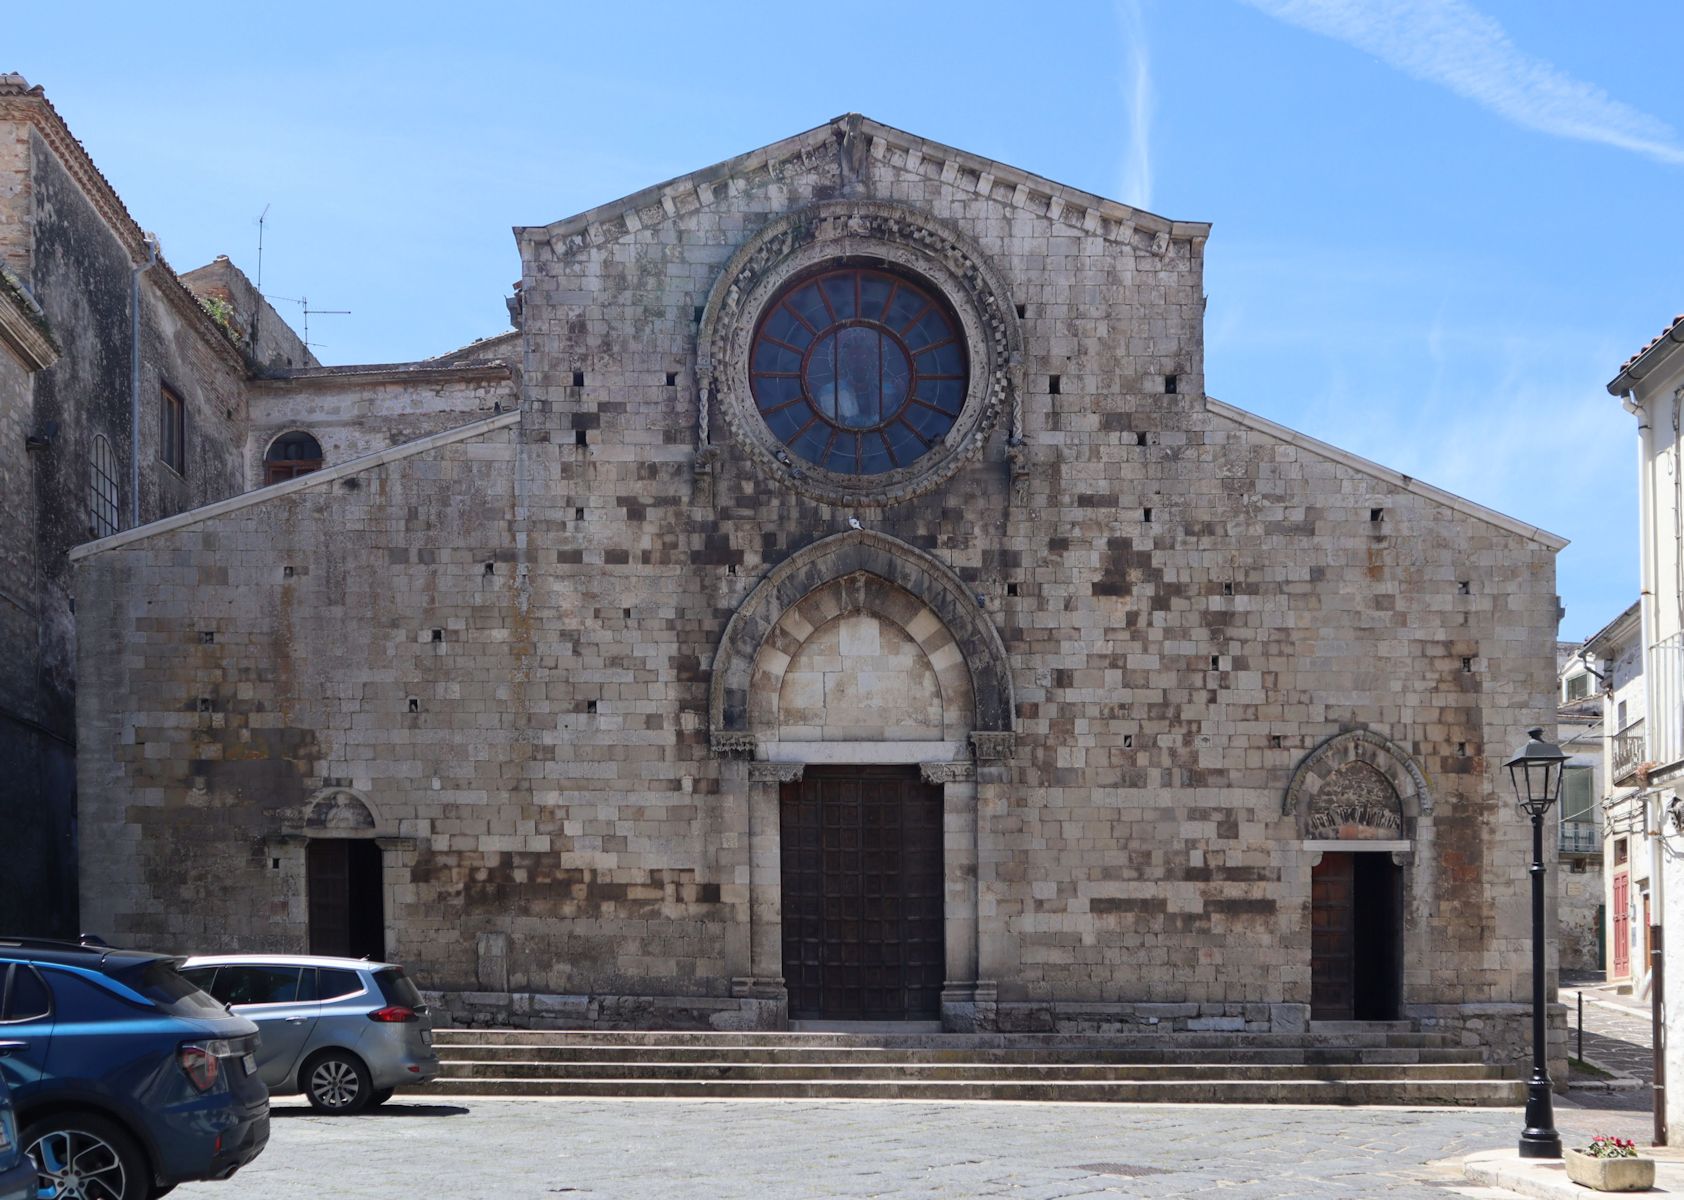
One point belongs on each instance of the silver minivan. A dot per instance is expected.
(344, 1031)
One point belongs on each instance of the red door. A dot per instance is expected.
(1622, 924)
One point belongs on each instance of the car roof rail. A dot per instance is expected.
(37, 943)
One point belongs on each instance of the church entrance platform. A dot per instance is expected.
(1342, 1065)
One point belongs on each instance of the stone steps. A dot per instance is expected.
(1322, 1066)
(832, 1055)
(1460, 1092)
(1384, 1038)
(1031, 1072)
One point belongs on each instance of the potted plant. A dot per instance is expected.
(1610, 1164)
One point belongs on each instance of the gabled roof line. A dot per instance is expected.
(702, 188)
(326, 475)
(23, 102)
(1396, 478)
(1654, 351)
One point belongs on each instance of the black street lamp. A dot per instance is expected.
(1536, 773)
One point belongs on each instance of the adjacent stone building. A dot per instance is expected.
(862, 612)
(127, 394)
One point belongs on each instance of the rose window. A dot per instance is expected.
(858, 371)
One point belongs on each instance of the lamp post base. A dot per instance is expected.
(1539, 1139)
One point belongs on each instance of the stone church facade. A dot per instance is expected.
(856, 610)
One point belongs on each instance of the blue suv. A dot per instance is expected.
(17, 1172)
(127, 1079)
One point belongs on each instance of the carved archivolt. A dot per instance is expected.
(857, 552)
(776, 772)
(841, 231)
(1357, 785)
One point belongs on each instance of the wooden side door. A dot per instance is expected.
(1332, 938)
(1622, 924)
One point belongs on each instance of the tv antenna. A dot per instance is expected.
(304, 303)
(261, 218)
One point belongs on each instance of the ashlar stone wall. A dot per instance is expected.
(1160, 607)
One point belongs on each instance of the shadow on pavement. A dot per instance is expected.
(385, 1110)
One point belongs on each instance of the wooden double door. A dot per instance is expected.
(863, 884)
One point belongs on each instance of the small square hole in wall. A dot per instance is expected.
(625, 613)
(1055, 384)
(581, 437)
(1464, 587)
(438, 635)
(1227, 589)
(1462, 749)
(578, 379)
(1215, 662)
(207, 636)
(206, 704)
(414, 704)
(1146, 515)
(1011, 589)
(286, 572)
(1467, 664)
(1140, 438)
(1376, 515)
(1171, 382)
(491, 568)
(672, 378)
(590, 707)
(731, 568)
(1022, 311)
(699, 313)
(274, 864)
(1128, 741)
(578, 514)
(1275, 741)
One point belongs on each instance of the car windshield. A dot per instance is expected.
(159, 982)
(397, 989)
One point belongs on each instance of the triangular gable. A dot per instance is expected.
(847, 137)
(1408, 483)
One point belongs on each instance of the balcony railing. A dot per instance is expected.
(1628, 752)
(1581, 837)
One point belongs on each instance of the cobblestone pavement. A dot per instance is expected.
(793, 1150)
(1617, 1036)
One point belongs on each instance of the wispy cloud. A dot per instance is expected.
(1457, 47)
(1137, 95)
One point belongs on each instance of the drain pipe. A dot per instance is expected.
(1648, 620)
(151, 242)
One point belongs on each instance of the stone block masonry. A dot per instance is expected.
(1127, 612)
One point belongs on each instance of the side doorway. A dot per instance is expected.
(345, 892)
(1356, 937)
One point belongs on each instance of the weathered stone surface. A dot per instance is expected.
(1138, 636)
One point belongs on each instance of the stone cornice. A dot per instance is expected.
(22, 334)
(1396, 478)
(380, 373)
(29, 105)
(1068, 206)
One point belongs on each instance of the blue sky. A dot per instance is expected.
(1440, 225)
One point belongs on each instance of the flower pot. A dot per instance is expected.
(1610, 1174)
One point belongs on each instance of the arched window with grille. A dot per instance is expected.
(290, 455)
(102, 489)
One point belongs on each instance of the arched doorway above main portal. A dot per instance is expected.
(955, 663)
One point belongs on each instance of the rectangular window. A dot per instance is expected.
(172, 431)
(102, 489)
(1622, 717)
(1578, 686)
(1578, 803)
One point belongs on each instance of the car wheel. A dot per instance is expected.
(381, 1096)
(87, 1157)
(337, 1082)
